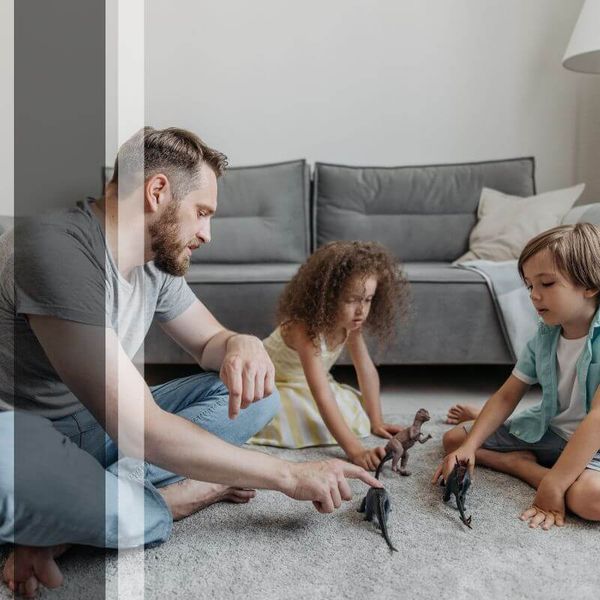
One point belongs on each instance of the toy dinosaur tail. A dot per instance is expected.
(382, 523)
(383, 460)
(461, 509)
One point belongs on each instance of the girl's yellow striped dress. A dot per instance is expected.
(299, 423)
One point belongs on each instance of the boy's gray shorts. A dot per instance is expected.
(547, 450)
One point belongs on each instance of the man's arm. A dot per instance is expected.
(242, 361)
(92, 363)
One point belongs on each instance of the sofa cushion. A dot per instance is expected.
(420, 213)
(6, 223)
(506, 223)
(262, 216)
(243, 307)
(448, 323)
(425, 272)
(241, 273)
(452, 319)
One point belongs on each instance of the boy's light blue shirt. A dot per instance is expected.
(537, 364)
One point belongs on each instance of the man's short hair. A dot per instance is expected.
(177, 153)
(575, 250)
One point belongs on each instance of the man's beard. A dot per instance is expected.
(165, 234)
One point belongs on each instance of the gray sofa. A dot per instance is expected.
(260, 236)
(271, 217)
(268, 222)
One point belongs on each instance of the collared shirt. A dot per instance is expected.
(537, 364)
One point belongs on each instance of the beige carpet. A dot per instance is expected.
(276, 548)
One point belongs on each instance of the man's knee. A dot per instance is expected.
(7, 454)
(7, 476)
(268, 407)
(583, 497)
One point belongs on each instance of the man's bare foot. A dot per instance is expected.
(504, 462)
(27, 567)
(460, 413)
(189, 496)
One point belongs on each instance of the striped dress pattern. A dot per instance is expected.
(299, 423)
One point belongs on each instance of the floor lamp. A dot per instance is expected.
(583, 51)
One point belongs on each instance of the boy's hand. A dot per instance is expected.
(445, 468)
(548, 506)
(368, 458)
(385, 430)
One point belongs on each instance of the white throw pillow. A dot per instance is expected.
(506, 223)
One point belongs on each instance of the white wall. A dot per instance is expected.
(377, 82)
(7, 193)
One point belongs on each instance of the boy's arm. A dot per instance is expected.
(496, 410)
(548, 507)
(579, 451)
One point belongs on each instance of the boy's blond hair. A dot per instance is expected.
(576, 252)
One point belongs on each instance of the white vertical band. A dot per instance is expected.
(125, 109)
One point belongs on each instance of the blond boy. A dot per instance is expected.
(554, 446)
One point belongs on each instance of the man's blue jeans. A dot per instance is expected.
(58, 479)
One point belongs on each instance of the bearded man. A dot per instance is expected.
(78, 292)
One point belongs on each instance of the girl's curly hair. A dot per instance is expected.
(313, 295)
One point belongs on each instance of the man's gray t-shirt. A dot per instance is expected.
(60, 266)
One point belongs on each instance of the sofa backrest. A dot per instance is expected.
(420, 213)
(262, 216)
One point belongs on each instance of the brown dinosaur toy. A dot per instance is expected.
(397, 447)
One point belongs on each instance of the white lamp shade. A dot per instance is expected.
(583, 51)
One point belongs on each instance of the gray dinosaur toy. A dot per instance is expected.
(459, 482)
(397, 447)
(377, 504)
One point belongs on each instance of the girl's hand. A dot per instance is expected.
(385, 430)
(548, 506)
(368, 458)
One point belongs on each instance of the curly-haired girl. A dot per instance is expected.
(343, 289)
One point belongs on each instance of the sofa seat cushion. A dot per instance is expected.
(432, 272)
(241, 273)
(439, 272)
(452, 319)
(429, 272)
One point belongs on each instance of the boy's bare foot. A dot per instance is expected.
(189, 496)
(460, 413)
(505, 462)
(27, 567)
